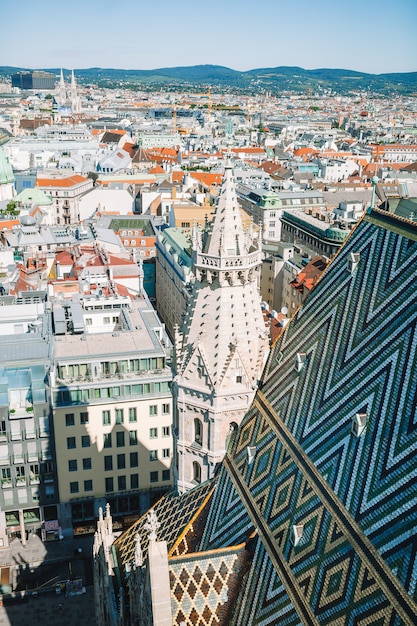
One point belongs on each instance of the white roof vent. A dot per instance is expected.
(296, 533)
(353, 261)
(251, 450)
(300, 361)
(359, 422)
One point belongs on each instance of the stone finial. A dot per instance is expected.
(107, 510)
(96, 544)
(152, 525)
(100, 514)
(138, 552)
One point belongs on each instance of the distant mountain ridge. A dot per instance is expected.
(281, 78)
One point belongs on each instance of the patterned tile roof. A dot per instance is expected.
(174, 513)
(324, 464)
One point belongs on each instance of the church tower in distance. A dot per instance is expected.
(222, 345)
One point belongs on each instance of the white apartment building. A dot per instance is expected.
(66, 192)
(112, 407)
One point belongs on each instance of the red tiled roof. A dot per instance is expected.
(69, 181)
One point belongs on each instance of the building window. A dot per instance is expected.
(121, 461)
(153, 409)
(121, 483)
(72, 465)
(134, 481)
(133, 437)
(166, 474)
(196, 472)
(87, 464)
(106, 418)
(153, 455)
(107, 440)
(166, 431)
(109, 484)
(74, 487)
(198, 431)
(69, 419)
(85, 441)
(153, 477)
(153, 433)
(165, 453)
(119, 416)
(166, 409)
(88, 485)
(108, 463)
(83, 418)
(106, 320)
(133, 414)
(71, 443)
(120, 439)
(134, 459)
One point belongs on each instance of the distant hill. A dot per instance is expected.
(262, 79)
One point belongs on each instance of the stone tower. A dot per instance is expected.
(222, 345)
(62, 93)
(75, 100)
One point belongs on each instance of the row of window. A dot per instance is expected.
(75, 396)
(121, 482)
(73, 370)
(120, 461)
(120, 438)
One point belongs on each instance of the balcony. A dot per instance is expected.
(6, 483)
(20, 480)
(35, 479)
(17, 411)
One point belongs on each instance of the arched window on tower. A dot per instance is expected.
(196, 472)
(198, 431)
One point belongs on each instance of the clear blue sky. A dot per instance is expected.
(371, 36)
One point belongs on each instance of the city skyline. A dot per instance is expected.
(270, 34)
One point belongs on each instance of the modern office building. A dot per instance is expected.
(34, 80)
(29, 494)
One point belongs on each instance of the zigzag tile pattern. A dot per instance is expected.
(356, 497)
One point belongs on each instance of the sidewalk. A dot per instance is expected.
(40, 564)
(44, 611)
(35, 551)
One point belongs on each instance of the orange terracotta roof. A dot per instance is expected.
(116, 260)
(157, 169)
(177, 177)
(64, 257)
(207, 178)
(69, 181)
(129, 148)
(304, 151)
(8, 224)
